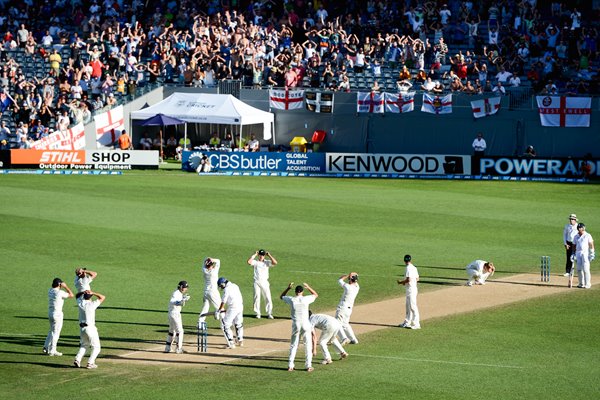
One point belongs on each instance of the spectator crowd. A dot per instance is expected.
(61, 60)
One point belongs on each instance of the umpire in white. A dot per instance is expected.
(569, 233)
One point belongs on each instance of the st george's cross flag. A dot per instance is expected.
(286, 99)
(485, 107)
(565, 111)
(369, 102)
(437, 104)
(399, 102)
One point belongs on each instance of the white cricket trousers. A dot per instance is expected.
(583, 269)
(56, 324)
(342, 314)
(89, 339)
(412, 311)
(210, 297)
(301, 328)
(329, 334)
(233, 316)
(263, 288)
(175, 330)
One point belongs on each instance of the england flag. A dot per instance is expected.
(286, 99)
(565, 111)
(369, 102)
(399, 102)
(485, 107)
(437, 104)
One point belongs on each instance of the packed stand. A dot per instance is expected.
(63, 61)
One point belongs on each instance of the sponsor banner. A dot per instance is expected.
(539, 167)
(421, 164)
(84, 160)
(260, 161)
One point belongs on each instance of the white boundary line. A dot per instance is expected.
(438, 361)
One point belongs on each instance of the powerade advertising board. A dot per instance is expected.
(282, 163)
(539, 167)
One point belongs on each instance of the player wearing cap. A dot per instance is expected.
(261, 280)
(344, 308)
(411, 277)
(177, 301)
(584, 252)
(479, 271)
(87, 323)
(569, 233)
(83, 279)
(234, 315)
(56, 299)
(210, 271)
(329, 328)
(300, 322)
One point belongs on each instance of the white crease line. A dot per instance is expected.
(438, 361)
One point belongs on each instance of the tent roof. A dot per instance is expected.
(206, 108)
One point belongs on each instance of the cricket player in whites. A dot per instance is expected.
(56, 299)
(585, 252)
(210, 271)
(87, 322)
(344, 308)
(261, 280)
(411, 277)
(300, 322)
(232, 298)
(177, 301)
(479, 271)
(329, 327)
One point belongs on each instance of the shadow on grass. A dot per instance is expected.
(99, 321)
(206, 363)
(42, 364)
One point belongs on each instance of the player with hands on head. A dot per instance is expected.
(300, 322)
(585, 252)
(479, 271)
(344, 308)
(56, 299)
(261, 280)
(411, 277)
(210, 271)
(234, 315)
(176, 303)
(83, 279)
(87, 323)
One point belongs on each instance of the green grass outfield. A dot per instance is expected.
(144, 231)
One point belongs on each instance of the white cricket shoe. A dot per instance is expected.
(257, 316)
(179, 351)
(566, 274)
(404, 325)
(345, 341)
(76, 364)
(91, 366)
(55, 353)
(469, 283)
(325, 362)
(231, 346)
(415, 327)
(270, 316)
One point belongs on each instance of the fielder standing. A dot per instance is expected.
(569, 233)
(300, 322)
(56, 299)
(479, 271)
(177, 301)
(83, 279)
(234, 315)
(329, 328)
(87, 325)
(210, 271)
(585, 252)
(344, 308)
(411, 277)
(261, 280)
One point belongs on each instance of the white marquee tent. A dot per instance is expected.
(206, 108)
